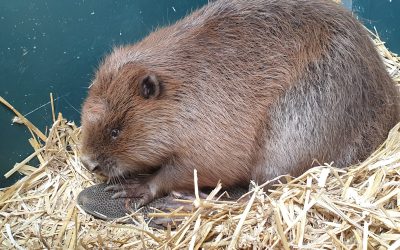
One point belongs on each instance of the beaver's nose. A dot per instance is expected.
(89, 163)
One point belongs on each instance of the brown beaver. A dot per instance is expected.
(239, 90)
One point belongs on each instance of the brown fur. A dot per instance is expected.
(248, 90)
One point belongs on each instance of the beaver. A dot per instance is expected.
(239, 90)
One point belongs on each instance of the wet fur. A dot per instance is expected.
(249, 90)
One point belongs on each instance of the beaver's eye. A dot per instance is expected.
(114, 133)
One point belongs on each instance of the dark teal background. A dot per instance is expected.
(54, 46)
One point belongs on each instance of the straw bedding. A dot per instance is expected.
(353, 208)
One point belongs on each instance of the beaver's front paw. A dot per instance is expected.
(133, 189)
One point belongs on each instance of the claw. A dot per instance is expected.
(188, 195)
(132, 188)
(121, 194)
(113, 188)
(146, 199)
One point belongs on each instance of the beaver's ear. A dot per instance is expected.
(150, 86)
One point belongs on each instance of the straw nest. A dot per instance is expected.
(353, 208)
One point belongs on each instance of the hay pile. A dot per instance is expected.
(355, 208)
